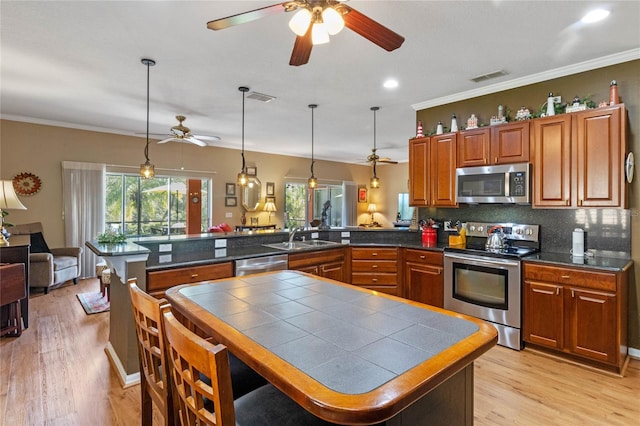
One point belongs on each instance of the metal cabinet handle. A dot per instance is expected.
(557, 291)
(194, 275)
(374, 254)
(565, 277)
(374, 280)
(374, 266)
(422, 256)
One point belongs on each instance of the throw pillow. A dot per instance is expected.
(38, 244)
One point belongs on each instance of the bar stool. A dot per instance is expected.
(104, 275)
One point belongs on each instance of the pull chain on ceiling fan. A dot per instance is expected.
(314, 22)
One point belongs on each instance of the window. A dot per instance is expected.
(158, 206)
(303, 206)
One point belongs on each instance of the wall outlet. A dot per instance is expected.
(557, 99)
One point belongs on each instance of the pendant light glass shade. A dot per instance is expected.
(147, 170)
(299, 24)
(319, 33)
(375, 182)
(313, 181)
(242, 176)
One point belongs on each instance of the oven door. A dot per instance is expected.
(483, 287)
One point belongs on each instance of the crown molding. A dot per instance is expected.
(617, 58)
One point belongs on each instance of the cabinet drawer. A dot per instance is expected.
(568, 276)
(374, 266)
(300, 260)
(162, 280)
(424, 256)
(374, 253)
(373, 279)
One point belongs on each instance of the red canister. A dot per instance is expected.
(429, 236)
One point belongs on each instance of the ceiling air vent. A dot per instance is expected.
(488, 76)
(260, 97)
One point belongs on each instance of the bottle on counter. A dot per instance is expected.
(454, 123)
(439, 129)
(551, 110)
(613, 93)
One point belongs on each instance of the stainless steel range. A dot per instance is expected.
(484, 279)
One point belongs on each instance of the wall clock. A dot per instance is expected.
(26, 183)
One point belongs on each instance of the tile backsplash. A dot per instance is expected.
(605, 229)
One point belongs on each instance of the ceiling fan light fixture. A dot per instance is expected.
(299, 24)
(147, 170)
(332, 20)
(319, 33)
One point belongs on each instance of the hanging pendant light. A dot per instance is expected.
(147, 170)
(375, 182)
(242, 176)
(313, 181)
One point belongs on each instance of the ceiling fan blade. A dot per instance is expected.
(208, 138)
(302, 49)
(387, 161)
(171, 139)
(195, 141)
(371, 30)
(241, 18)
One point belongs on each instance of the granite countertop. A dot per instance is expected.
(613, 261)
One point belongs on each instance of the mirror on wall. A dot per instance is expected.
(251, 194)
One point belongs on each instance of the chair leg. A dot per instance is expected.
(46, 290)
(75, 281)
(147, 404)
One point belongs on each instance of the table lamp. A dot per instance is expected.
(270, 207)
(8, 200)
(371, 209)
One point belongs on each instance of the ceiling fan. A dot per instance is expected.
(181, 133)
(375, 157)
(314, 22)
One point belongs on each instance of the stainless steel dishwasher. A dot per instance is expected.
(255, 265)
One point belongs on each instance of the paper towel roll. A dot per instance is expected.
(578, 243)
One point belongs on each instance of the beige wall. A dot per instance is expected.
(41, 149)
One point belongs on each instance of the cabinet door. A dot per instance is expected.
(510, 143)
(443, 170)
(599, 157)
(473, 147)
(425, 284)
(592, 324)
(551, 138)
(334, 271)
(543, 316)
(418, 172)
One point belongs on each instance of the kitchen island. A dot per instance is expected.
(346, 354)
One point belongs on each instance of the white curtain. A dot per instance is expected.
(83, 194)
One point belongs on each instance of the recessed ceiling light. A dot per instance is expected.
(595, 16)
(391, 84)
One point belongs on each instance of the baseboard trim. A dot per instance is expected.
(126, 380)
(634, 353)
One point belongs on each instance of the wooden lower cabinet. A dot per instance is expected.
(577, 311)
(423, 277)
(324, 263)
(159, 281)
(376, 268)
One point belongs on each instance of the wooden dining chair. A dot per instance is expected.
(211, 402)
(154, 371)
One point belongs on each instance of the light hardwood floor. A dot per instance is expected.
(57, 373)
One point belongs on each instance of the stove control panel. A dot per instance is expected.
(511, 231)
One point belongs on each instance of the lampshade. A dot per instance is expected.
(270, 206)
(299, 24)
(8, 198)
(333, 20)
(147, 170)
(371, 208)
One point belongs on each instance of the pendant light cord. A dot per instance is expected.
(146, 148)
(312, 106)
(243, 96)
(374, 109)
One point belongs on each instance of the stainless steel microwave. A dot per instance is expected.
(500, 184)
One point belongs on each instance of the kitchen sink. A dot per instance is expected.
(298, 245)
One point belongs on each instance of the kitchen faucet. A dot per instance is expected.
(292, 233)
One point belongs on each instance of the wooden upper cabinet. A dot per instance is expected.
(510, 143)
(578, 159)
(473, 147)
(600, 151)
(551, 154)
(419, 172)
(443, 170)
(501, 144)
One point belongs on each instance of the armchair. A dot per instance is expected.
(49, 267)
